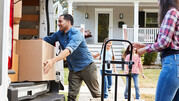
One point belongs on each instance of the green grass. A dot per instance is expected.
(148, 97)
(66, 94)
(150, 82)
(66, 72)
(151, 78)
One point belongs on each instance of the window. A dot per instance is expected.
(151, 19)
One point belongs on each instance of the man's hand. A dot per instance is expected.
(138, 45)
(47, 65)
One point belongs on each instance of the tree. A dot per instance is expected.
(64, 4)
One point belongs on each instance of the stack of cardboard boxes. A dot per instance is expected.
(29, 55)
(17, 18)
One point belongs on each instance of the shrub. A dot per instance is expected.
(149, 58)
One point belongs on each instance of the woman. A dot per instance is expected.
(168, 43)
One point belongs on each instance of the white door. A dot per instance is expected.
(103, 24)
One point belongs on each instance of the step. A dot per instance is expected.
(96, 48)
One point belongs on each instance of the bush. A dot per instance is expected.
(149, 58)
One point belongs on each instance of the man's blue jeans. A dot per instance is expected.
(136, 85)
(168, 82)
(107, 83)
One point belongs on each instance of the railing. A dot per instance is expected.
(145, 35)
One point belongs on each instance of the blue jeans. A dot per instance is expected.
(168, 82)
(107, 83)
(136, 85)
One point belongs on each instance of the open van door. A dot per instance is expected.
(4, 44)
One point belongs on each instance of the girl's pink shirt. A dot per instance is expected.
(137, 63)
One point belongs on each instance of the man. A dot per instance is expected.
(79, 59)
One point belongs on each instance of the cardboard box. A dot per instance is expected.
(17, 11)
(14, 46)
(14, 77)
(16, 31)
(32, 54)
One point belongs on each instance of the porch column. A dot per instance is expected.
(136, 20)
(70, 7)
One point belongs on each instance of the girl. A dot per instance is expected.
(109, 56)
(167, 42)
(135, 71)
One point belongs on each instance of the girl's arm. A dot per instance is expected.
(125, 69)
(142, 72)
(95, 55)
(114, 68)
(141, 67)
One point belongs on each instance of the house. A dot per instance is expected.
(104, 18)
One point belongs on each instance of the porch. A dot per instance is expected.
(144, 35)
(103, 19)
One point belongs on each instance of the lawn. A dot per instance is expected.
(148, 97)
(151, 78)
(150, 82)
(66, 71)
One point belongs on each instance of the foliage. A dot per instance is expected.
(64, 4)
(149, 58)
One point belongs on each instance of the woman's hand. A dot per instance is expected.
(141, 51)
(47, 65)
(138, 45)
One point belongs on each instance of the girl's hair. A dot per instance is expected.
(106, 39)
(127, 51)
(165, 5)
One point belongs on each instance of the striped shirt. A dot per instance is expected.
(168, 36)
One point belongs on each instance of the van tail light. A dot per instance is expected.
(11, 22)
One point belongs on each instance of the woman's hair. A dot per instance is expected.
(127, 51)
(165, 5)
(105, 40)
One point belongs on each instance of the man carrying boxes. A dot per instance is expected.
(79, 59)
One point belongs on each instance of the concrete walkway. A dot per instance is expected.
(85, 94)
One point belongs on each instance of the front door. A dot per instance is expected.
(103, 24)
